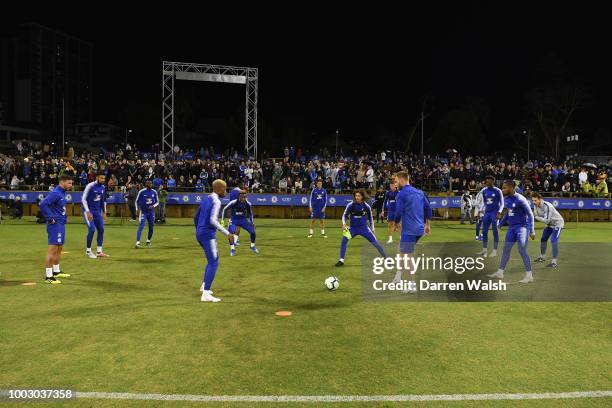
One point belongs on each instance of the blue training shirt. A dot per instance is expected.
(94, 198)
(206, 218)
(493, 199)
(412, 209)
(318, 199)
(518, 212)
(239, 210)
(360, 214)
(53, 207)
(146, 200)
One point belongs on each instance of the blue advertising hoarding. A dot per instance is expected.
(301, 200)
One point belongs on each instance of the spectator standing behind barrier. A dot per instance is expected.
(582, 177)
(601, 187)
(203, 177)
(171, 183)
(369, 177)
(157, 181)
(162, 196)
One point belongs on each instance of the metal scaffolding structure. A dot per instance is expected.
(172, 71)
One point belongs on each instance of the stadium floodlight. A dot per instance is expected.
(172, 71)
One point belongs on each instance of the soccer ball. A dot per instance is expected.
(332, 283)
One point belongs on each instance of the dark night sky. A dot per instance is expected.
(354, 70)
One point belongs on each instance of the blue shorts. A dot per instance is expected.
(317, 213)
(56, 233)
(408, 242)
(242, 223)
(391, 217)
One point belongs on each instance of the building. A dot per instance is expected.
(45, 80)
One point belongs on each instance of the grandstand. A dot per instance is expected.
(187, 174)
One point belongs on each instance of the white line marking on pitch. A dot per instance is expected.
(343, 398)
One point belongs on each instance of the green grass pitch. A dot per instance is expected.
(134, 323)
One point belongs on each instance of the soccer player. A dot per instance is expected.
(206, 220)
(414, 213)
(360, 214)
(234, 195)
(520, 220)
(493, 200)
(547, 213)
(94, 211)
(53, 208)
(241, 217)
(389, 209)
(317, 205)
(146, 201)
(478, 213)
(466, 207)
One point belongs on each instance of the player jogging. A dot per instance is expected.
(389, 209)
(359, 215)
(547, 213)
(414, 213)
(493, 201)
(520, 220)
(206, 220)
(316, 206)
(53, 208)
(146, 201)
(93, 205)
(241, 217)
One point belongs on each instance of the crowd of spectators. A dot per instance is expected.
(37, 168)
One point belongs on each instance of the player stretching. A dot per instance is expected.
(317, 205)
(242, 217)
(547, 213)
(360, 215)
(94, 212)
(53, 207)
(389, 209)
(413, 210)
(206, 220)
(478, 213)
(146, 201)
(493, 200)
(520, 221)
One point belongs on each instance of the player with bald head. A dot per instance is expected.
(207, 223)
